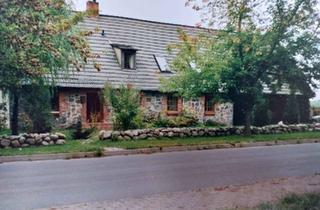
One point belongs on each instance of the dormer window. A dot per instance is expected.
(126, 56)
(162, 63)
(128, 59)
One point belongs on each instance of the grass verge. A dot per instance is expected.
(294, 202)
(95, 145)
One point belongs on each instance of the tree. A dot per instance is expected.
(255, 47)
(38, 42)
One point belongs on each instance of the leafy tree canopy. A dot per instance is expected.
(39, 41)
(39, 38)
(253, 44)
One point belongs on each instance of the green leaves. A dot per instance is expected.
(250, 51)
(39, 38)
(125, 103)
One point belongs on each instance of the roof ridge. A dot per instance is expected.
(153, 21)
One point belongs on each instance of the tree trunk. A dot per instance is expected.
(15, 112)
(247, 126)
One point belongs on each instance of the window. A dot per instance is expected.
(128, 59)
(209, 105)
(126, 56)
(94, 108)
(172, 103)
(55, 100)
(162, 63)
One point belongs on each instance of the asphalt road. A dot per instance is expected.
(31, 185)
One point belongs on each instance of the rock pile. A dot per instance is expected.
(198, 132)
(26, 140)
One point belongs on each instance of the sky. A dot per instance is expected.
(169, 11)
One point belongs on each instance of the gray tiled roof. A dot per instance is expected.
(147, 37)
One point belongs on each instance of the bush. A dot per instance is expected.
(35, 110)
(211, 123)
(125, 103)
(184, 119)
(82, 133)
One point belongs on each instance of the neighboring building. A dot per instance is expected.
(4, 100)
(132, 52)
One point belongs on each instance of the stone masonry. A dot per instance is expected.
(34, 139)
(70, 109)
(155, 103)
(201, 132)
(73, 107)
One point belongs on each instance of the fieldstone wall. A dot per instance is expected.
(199, 132)
(27, 140)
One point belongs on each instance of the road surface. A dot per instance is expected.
(32, 185)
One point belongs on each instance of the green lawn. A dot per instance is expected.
(96, 145)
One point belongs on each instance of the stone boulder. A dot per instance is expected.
(60, 142)
(5, 142)
(15, 143)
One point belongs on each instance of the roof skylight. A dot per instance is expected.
(162, 63)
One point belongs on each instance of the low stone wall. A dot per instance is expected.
(199, 132)
(27, 140)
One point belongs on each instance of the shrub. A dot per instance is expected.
(160, 121)
(82, 133)
(125, 103)
(35, 110)
(211, 123)
(184, 119)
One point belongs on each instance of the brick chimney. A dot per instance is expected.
(93, 8)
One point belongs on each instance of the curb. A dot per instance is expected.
(67, 156)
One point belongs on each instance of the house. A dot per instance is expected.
(132, 52)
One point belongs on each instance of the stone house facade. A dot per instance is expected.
(76, 105)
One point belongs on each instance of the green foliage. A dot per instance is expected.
(39, 38)
(198, 66)
(250, 51)
(39, 42)
(261, 113)
(81, 133)
(292, 110)
(294, 202)
(35, 110)
(211, 123)
(184, 119)
(5, 132)
(125, 103)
